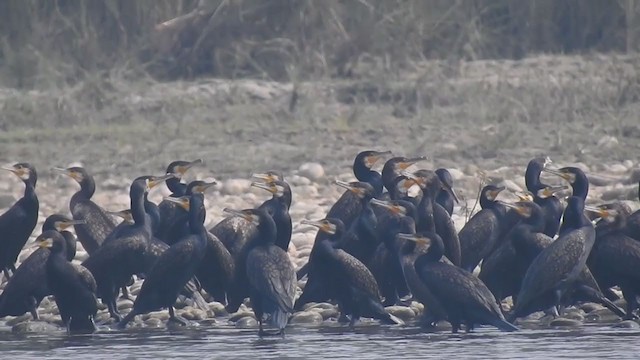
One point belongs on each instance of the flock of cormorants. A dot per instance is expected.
(378, 246)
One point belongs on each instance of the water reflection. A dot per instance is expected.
(365, 342)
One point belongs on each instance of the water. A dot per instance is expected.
(591, 341)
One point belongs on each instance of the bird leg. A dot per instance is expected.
(113, 310)
(632, 304)
(179, 319)
(125, 293)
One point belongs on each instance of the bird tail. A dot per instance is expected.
(390, 319)
(200, 301)
(279, 318)
(504, 325)
(81, 325)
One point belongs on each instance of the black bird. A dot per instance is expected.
(314, 289)
(113, 264)
(392, 169)
(504, 269)
(272, 279)
(615, 257)
(17, 223)
(558, 267)
(74, 289)
(99, 224)
(481, 233)
(348, 281)
(544, 196)
(580, 187)
(28, 286)
(167, 209)
(362, 169)
(446, 196)
(464, 297)
(633, 222)
(176, 266)
(396, 216)
(432, 216)
(278, 208)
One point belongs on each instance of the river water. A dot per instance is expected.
(591, 341)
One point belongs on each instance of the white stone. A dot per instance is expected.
(236, 186)
(607, 142)
(312, 171)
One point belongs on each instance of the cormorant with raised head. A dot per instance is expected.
(98, 224)
(347, 280)
(580, 187)
(446, 196)
(544, 195)
(270, 274)
(464, 297)
(74, 290)
(167, 209)
(278, 208)
(481, 233)
(113, 263)
(393, 167)
(176, 266)
(17, 223)
(633, 222)
(28, 285)
(558, 267)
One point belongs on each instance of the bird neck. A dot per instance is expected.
(532, 176)
(580, 187)
(87, 187)
(137, 207)
(29, 189)
(176, 186)
(70, 243)
(433, 254)
(426, 220)
(372, 177)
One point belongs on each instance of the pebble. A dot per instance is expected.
(601, 316)
(456, 174)
(589, 307)
(627, 324)
(6, 201)
(328, 313)
(565, 322)
(403, 312)
(125, 304)
(296, 180)
(607, 142)
(312, 171)
(218, 309)
(18, 319)
(322, 305)
(34, 327)
(306, 317)
(199, 314)
(241, 314)
(246, 322)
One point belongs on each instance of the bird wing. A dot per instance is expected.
(85, 277)
(98, 225)
(271, 273)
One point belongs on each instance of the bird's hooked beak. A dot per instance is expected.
(270, 186)
(391, 207)
(412, 179)
(201, 188)
(550, 191)
(267, 177)
(415, 238)
(124, 214)
(566, 175)
(245, 214)
(374, 157)
(493, 194)
(182, 201)
(525, 196)
(63, 225)
(519, 207)
(402, 165)
(354, 189)
(603, 213)
(182, 169)
(21, 172)
(157, 180)
(70, 173)
(43, 242)
(323, 225)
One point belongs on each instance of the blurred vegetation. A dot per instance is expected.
(60, 42)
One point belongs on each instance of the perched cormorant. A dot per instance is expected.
(432, 216)
(544, 196)
(446, 196)
(558, 267)
(615, 257)
(579, 185)
(113, 263)
(98, 224)
(633, 222)
(167, 209)
(28, 285)
(314, 289)
(270, 273)
(176, 266)
(396, 216)
(362, 169)
(347, 280)
(481, 233)
(74, 290)
(464, 297)
(17, 223)
(278, 208)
